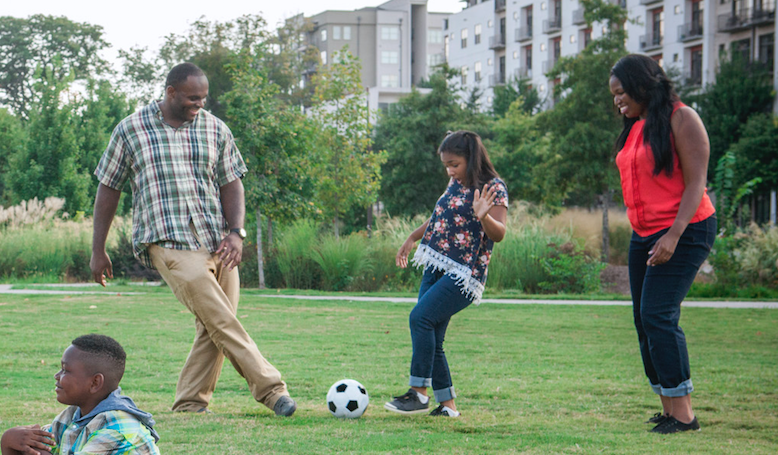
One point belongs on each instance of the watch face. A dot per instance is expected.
(240, 231)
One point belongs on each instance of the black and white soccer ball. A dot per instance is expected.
(347, 398)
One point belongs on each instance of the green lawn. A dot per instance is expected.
(531, 378)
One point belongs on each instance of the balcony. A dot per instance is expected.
(548, 65)
(746, 17)
(578, 16)
(690, 31)
(497, 41)
(693, 78)
(650, 42)
(496, 79)
(552, 25)
(499, 5)
(621, 3)
(649, 2)
(523, 34)
(523, 73)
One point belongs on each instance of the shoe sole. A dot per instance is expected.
(389, 407)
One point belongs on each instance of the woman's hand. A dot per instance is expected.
(482, 205)
(402, 254)
(663, 249)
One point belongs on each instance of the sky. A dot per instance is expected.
(144, 23)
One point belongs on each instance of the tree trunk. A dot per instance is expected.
(606, 240)
(369, 221)
(335, 227)
(260, 261)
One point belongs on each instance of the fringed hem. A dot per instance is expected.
(427, 257)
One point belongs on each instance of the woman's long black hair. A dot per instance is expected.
(469, 146)
(645, 82)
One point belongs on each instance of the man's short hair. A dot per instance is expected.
(106, 354)
(181, 72)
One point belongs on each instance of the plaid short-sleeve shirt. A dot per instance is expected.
(111, 432)
(175, 175)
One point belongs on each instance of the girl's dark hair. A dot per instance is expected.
(645, 82)
(468, 145)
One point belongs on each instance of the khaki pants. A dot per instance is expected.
(211, 293)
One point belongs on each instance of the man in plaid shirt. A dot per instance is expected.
(99, 419)
(188, 212)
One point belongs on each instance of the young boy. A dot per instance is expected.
(99, 419)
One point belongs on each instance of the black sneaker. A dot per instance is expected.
(657, 418)
(407, 404)
(444, 411)
(672, 425)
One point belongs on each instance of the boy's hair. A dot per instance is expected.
(181, 72)
(104, 355)
(468, 145)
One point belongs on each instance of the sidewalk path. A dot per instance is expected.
(7, 289)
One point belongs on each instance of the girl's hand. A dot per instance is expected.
(482, 205)
(663, 249)
(402, 254)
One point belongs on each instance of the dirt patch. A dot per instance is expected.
(615, 279)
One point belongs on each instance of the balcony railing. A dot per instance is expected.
(499, 5)
(650, 42)
(578, 16)
(548, 65)
(746, 17)
(693, 78)
(497, 41)
(496, 79)
(523, 72)
(687, 32)
(552, 25)
(523, 34)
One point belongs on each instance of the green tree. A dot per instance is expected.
(12, 141)
(741, 90)
(516, 88)
(410, 131)
(349, 170)
(36, 44)
(757, 151)
(142, 76)
(582, 123)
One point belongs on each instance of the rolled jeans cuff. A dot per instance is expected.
(683, 389)
(444, 394)
(416, 381)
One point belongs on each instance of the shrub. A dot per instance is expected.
(571, 270)
(294, 255)
(342, 260)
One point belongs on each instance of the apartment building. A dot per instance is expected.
(398, 42)
(493, 41)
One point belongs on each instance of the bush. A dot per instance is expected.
(571, 271)
(294, 255)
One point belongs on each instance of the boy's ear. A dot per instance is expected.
(98, 380)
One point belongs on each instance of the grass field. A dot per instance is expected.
(530, 378)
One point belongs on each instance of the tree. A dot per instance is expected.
(12, 142)
(349, 170)
(35, 44)
(411, 131)
(142, 76)
(505, 95)
(741, 90)
(582, 123)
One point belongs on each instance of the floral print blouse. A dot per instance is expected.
(455, 241)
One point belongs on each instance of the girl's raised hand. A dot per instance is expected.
(483, 201)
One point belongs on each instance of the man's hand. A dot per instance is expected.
(28, 440)
(101, 266)
(230, 250)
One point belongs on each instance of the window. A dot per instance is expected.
(336, 32)
(695, 68)
(323, 35)
(697, 17)
(477, 34)
(556, 49)
(434, 36)
(323, 57)
(742, 48)
(434, 59)
(346, 32)
(477, 71)
(528, 57)
(389, 57)
(587, 36)
(390, 33)
(464, 75)
(657, 26)
(767, 50)
(390, 80)
(464, 38)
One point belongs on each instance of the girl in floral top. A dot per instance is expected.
(456, 245)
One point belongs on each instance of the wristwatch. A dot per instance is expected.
(240, 231)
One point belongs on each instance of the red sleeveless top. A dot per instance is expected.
(652, 201)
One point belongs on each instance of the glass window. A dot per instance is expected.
(477, 71)
(323, 57)
(390, 33)
(336, 32)
(346, 32)
(389, 57)
(434, 36)
(477, 34)
(390, 80)
(324, 35)
(464, 75)
(464, 38)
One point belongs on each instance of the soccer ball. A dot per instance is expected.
(347, 398)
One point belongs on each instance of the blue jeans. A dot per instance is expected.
(657, 293)
(439, 299)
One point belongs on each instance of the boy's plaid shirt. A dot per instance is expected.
(175, 176)
(112, 432)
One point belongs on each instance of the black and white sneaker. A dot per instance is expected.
(444, 411)
(407, 404)
(672, 425)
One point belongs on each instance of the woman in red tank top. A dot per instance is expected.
(662, 157)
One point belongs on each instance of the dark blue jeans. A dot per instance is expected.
(439, 299)
(657, 293)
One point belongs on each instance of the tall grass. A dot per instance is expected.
(293, 254)
(342, 260)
